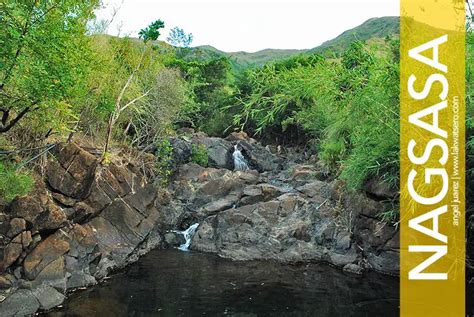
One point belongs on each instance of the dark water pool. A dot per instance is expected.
(174, 283)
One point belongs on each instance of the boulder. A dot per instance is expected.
(38, 211)
(31, 206)
(73, 172)
(48, 297)
(45, 252)
(182, 150)
(238, 136)
(17, 225)
(20, 303)
(218, 151)
(353, 268)
(380, 188)
(80, 261)
(12, 252)
(174, 239)
(259, 157)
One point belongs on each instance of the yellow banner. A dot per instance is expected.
(432, 158)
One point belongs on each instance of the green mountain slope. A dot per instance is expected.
(372, 28)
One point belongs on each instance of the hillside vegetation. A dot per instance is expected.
(373, 28)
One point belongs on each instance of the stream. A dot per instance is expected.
(175, 283)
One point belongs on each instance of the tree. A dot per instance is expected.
(161, 109)
(151, 33)
(179, 38)
(42, 48)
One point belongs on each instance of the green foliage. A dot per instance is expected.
(151, 32)
(274, 96)
(369, 113)
(179, 38)
(163, 153)
(13, 183)
(199, 155)
(158, 113)
(241, 61)
(349, 104)
(372, 28)
(44, 58)
(211, 87)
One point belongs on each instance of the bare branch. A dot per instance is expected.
(6, 114)
(5, 128)
(129, 81)
(135, 100)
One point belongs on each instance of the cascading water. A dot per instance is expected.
(188, 235)
(240, 164)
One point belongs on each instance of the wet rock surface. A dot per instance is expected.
(85, 220)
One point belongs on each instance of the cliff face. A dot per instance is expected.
(85, 219)
(78, 225)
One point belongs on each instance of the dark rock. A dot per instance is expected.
(45, 252)
(11, 253)
(18, 272)
(219, 205)
(237, 136)
(218, 151)
(54, 274)
(20, 303)
(36, 239)
(53, 218)
(259, 157)
(64, 200)
(353, 268)
(5, 283)
(343, 241)
(386, 262)
(379, 188)
(314, 189)
(17, 225)
(80, 260)
(38, 210)
(26, 239)
(31, 206)
(73, 172)
(95, 219)
(301, 174)
(182, 150)
(48, 297)
(174, 239)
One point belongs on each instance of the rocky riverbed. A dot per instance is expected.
(85, 219)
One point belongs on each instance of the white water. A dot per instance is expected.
(188, 235)
(240, 164)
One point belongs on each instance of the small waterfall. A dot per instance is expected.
(240, 164)
(188, 235)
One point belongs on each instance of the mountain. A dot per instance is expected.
(372, 28)
(240, 60)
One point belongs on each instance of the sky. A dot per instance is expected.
(247, 25)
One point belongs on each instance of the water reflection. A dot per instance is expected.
(173, 283)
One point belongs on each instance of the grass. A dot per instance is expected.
(13, 183)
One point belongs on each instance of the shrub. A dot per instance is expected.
(348, 104)
(199, 155)
(164, 158)
(13, 183)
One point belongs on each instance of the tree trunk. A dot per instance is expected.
(109, 134)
